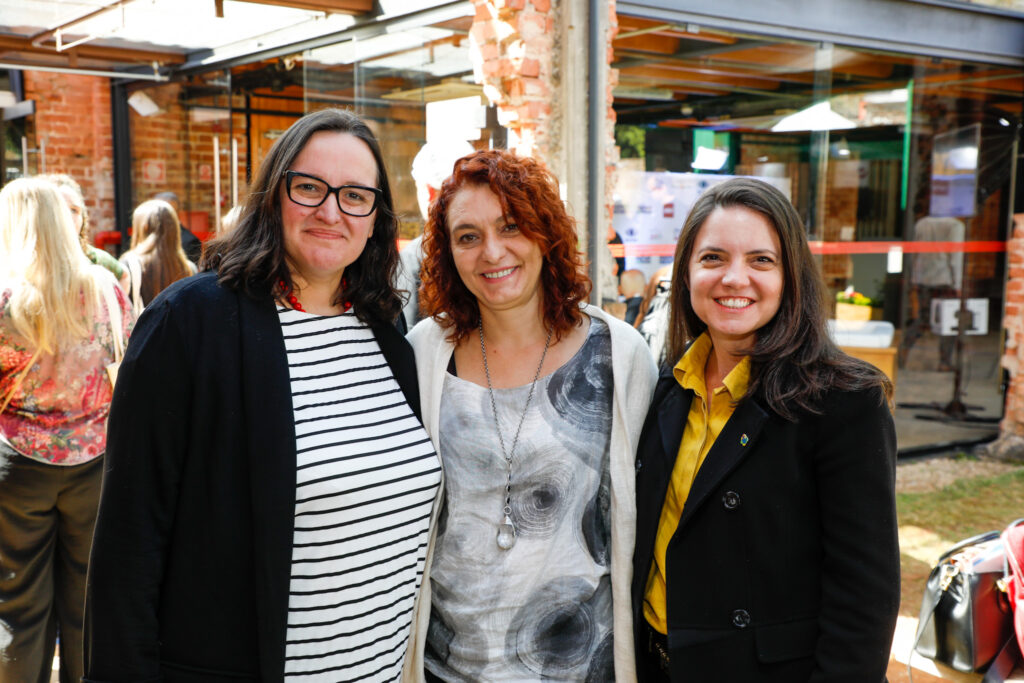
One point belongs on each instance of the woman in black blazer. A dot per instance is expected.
(269, 487)
(766, 544)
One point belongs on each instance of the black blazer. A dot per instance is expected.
(191, 559)
(785, 563)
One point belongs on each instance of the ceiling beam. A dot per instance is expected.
(333, 6)
(24, 46)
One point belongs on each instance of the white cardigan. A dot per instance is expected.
(634, 375)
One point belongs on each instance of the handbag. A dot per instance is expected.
(965, 616)
(116, 333)
(1013, 584)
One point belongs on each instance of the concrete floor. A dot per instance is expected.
(920, 380)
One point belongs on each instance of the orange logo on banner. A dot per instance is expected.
(669, 210)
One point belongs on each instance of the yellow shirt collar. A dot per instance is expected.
(689, 371)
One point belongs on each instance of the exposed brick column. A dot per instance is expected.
(1010, 444)
(511, 45)
(1012, 427)
(73, 118)
(607, 285)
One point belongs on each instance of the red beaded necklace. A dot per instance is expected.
(290, 297)
(293, 300)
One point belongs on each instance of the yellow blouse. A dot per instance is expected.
(703, 424)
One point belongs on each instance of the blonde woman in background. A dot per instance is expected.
(56, 340)
(156, 258)
(71, 193)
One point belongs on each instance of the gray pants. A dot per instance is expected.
(47, 514)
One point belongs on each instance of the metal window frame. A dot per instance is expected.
(931, 28)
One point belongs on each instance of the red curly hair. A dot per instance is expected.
(528, 193)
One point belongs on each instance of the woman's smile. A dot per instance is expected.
(734, 303)
(497, 274)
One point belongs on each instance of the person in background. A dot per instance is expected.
(534, 401)
(266, 506)
(190, 244)
(56, 341)
(155, 259)
(652, 321)
(766, 546)
(432, 164)
(631, 288)
(619, 262)
(71, 192)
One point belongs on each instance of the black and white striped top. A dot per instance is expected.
(365, 487)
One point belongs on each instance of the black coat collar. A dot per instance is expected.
(734, 443)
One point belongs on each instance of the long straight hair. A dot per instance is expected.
(56, 291)
(156, 242)
(251, 258)
(793, 360)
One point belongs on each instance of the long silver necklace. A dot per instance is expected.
(507, 530)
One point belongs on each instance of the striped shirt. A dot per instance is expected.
(365, 486)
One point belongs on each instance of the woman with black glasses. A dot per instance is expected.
(269, 485)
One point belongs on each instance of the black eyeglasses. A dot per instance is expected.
(308, 190)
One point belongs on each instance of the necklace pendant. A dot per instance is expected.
(506, 534)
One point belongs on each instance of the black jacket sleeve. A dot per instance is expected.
(855, 463)
(146, 446)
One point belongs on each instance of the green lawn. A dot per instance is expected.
(931, 522)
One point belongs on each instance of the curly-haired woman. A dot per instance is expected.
(266, 504)
(535, 402)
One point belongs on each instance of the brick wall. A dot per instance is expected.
(511, 45)
(73, 119)
(173, 150)
(1013, 358)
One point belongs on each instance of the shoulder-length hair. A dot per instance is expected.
(793, 360)
(156, 242)
(528, 193)
(251, 258)
(55, 289)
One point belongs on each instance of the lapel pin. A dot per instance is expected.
(744, 440)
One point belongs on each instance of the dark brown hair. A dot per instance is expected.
(794, 360)
(156, 243)
(251, 258)
(528, 193)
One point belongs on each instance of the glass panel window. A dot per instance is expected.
(898, 165)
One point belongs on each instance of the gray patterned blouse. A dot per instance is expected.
(542, 609)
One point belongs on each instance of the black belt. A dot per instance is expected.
(657, 647)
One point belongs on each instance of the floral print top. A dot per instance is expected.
(58, 415)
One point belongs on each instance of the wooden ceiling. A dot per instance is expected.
(676, 75)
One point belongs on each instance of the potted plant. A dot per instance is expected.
(852, 305)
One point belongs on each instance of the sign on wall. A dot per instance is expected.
(154, 170)
(955, 172)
